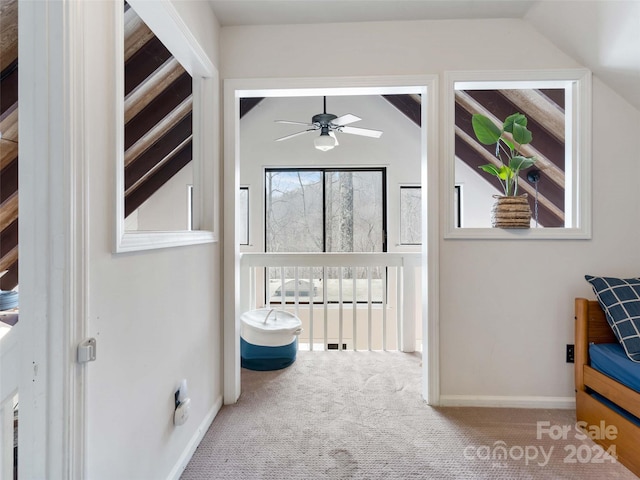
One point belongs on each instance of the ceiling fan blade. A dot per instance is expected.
(287, 137)
(290, 122)
(333, 134)
(345, 119)
(361, 131)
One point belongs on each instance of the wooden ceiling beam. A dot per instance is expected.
(9, 123)
(158, 178)
(143, 63)
(9, 87)
(539, 108)
(8, 33)
(9, 280)
(136, 33)
(248, 104)
(9, 211)
(141, 96)
(158, 130)
(542, 163)
(9, 258)
(548, 145)
(9, 180)
(409, 105)
(160, 150)
(161, 106)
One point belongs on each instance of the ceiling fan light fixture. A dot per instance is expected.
(324, 142)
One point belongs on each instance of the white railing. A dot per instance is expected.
(8, 394)
(338, 296)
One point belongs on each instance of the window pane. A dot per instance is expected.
(294, 211)
(354, 205)
(410, 215)
(244, 216)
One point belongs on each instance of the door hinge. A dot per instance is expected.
(87, 351)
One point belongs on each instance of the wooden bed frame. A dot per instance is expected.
(592, 327)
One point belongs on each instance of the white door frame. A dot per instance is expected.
(426, 85)
(53, 230)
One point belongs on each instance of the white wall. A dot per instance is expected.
(167, 209)
(502, 329)
(398, 149)
(155, 314)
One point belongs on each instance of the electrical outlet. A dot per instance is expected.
(570, 353)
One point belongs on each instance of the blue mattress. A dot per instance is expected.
(610, 359)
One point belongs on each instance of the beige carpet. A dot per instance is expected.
(359, 415)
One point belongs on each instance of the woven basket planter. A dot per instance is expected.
(511, 212)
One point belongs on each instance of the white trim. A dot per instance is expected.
(426, 85)
(197, 437)
(565, 403)
(164, 20)
(168, 26)
(579, 150)
(53, 191)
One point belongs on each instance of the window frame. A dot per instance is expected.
(324, 170)
(578, 171)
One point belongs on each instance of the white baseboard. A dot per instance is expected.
(565, 403)
(190, 449)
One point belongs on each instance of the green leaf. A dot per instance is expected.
(514, 119)
(521, 135)
(520, 163)
(486, 131)
(491, 168)
(505, 173)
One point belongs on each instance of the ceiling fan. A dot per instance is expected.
(328, 124)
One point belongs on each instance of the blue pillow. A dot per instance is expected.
(620, 300)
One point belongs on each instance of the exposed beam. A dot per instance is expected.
(8, 32)
(538, 106)
(141, 96)
(9, 258)
(161, 106)
(10, 279)
(9, 211)
(410, 105)
(158, 178)
(136, 33)
(143, 63)
(160, 150)
(8, 152)
(9, 86)
(159, 164)
(160, 129)
(9, 123)
(247, 104)
(542, 163)
(8, 238)
(9, 180)
(548, 145)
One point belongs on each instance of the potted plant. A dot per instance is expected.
(510, 210)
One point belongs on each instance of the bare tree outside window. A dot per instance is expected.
(323, 210)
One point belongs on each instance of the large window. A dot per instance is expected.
(323, 210)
